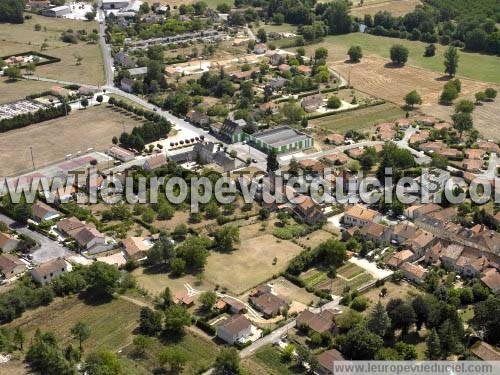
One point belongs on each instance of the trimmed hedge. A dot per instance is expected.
(26, 119)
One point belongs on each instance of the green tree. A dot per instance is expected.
(451, 61)
(226, 238)
(464, 106)
(208, 300)
(378, 320)
(176, 318)
(355, 54)
(178, 267)
(490, 93)
(272, 161)
(13, 72)
(262, 35)
(150, 322)
(399, 54)
(462, 122)
(19, 338)
(90, 16)
(174, 358)
(333, 102)
(293, 112)
(486, 318)
(413, 98)
(402, 317)
(227, 362)
(81, 331)
(361, 344)
(321, 53)
(102, 362)
(433, 351)
(141, 344)
(102, 279)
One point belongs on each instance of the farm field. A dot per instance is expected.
(361, 120)
(484, 116)
(251, 263)
(375, 76)
(471, 65)
(111, 323)
(52, 140)
(12, 91)
(396, 7)
(200, 354)
(349, 275)
(23, 38)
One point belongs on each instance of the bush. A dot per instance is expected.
(399, 54)
(360, 303)
(333, 102)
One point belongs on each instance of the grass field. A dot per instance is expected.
(471, 65)
(11, 91)
(200, 354)
(23, 38)
(401, 290)
(111, 324)
(53, 139)
(396, 7)
(251, 263)
(360, 120)
(267, 360)
(286, 27)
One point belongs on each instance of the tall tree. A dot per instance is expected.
(462, 122)
(433, 351)
(102, 362)
(451, 61)
(174, 358)
(81, 331)
(413, 98)
(176, 317)
(272, 162)
(227, 362)
(361, 344)
(378, 320)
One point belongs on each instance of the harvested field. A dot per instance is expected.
(477, 66)
(251, 263)
(378, 77)
(52, 140)
(361, 120)
(485, 116)
(12, 91)
(23, 37)
(396, 7)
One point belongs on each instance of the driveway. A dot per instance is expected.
(48, 249)
(371, 268)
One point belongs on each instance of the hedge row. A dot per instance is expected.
(26, 119)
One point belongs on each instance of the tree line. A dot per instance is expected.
(25, 119)
(12, 11)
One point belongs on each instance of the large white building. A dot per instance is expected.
(114, 4)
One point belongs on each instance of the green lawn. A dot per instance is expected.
(111, 324)
(199, 352)
(286, 27)
(269, 358)
(471, 65)
(360, 120)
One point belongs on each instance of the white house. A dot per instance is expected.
(44, 273)
(114, 4)
(234, 328)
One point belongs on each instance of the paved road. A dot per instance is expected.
(105, 48)
(275, 335)
(48, 249)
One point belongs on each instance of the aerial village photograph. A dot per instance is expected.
(249, 186)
